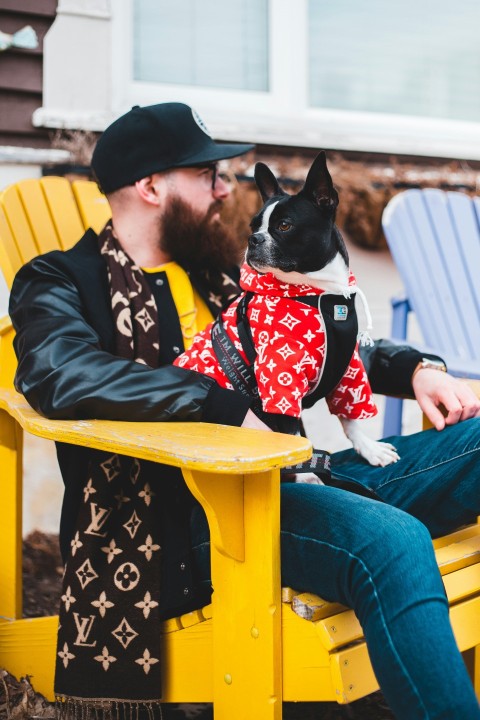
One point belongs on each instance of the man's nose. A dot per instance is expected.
(256, 239)
(222, 189)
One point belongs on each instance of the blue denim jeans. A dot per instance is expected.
(376, 557)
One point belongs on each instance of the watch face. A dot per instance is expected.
(434, 364)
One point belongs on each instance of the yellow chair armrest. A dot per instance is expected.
(192, 446)
(234, 473)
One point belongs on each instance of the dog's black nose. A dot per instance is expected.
(256, 239)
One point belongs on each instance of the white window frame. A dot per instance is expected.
(281, 116)
(127, 91)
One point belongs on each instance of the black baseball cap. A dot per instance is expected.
(150, 139)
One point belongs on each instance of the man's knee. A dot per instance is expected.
(402, 538)
(397, 569)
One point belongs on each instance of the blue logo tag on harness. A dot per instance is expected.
(340, 312)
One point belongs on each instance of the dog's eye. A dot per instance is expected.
(284, 226)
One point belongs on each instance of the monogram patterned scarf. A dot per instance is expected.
(109, 634)
(108, 662)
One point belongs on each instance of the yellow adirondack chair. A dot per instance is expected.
(248, 650)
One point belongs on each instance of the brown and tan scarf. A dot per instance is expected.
(108, 650)
(108, 660)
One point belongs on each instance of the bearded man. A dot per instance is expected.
(97, 328)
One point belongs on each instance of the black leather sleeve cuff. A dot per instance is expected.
(225, 407)
(392, 369)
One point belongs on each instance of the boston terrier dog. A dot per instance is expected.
(291, 337)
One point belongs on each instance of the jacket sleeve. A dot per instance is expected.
(390, 366)
(64, 372)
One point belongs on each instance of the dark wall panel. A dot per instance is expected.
(16, 111)
(46, 8)
(21, 73)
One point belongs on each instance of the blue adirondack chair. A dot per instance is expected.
(434, 238)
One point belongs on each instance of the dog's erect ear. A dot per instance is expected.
(318, 186)
(267, 182)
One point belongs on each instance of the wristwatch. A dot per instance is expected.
(430, 364)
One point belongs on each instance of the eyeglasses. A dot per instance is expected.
(213, 167)
(216, 173)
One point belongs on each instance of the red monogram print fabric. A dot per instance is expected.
(290, 341)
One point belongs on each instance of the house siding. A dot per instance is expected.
(21, 73)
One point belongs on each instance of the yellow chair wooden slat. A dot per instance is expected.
(93, 206)
(248, 649)
(63, 210)
(19, 225)
(38, 216)
(10, 260)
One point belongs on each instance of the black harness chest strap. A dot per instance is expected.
(340, 341)
(243, 379)
(340, 338)
(240, 374)
(243, 328)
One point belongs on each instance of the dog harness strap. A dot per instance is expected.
(311, 300)
(340, 341)
(243, 327)
(243, 379)
(319, 464)
(234, 366)
(336, 361)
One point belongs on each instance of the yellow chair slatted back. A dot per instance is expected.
(63, 209)
(18, 221)
(37, 216)
(93, 205)
(10, 259)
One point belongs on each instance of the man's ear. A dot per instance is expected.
(150, 189)
(318, 186)
(267, 182)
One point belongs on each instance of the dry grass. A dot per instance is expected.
(79, 143)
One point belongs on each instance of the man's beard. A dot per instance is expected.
(195, 241)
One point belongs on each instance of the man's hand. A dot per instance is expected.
(252, 421)
(433, 388)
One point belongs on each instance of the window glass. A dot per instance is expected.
(209, 43)
(415, 57)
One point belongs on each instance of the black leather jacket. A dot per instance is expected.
(61, 310)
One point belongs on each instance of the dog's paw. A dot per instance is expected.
(377, 453)
(308, 479)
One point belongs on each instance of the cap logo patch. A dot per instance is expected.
(200, 123)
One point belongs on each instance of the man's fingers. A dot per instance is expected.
(254, 422)
(461, 404)
(432, 412)
(433, 390)
(470, 411)
(454, 415)
(469, 401)
(448, 398)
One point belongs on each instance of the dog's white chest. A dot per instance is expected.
(332, 278)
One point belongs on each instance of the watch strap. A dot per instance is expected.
(430, 364)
